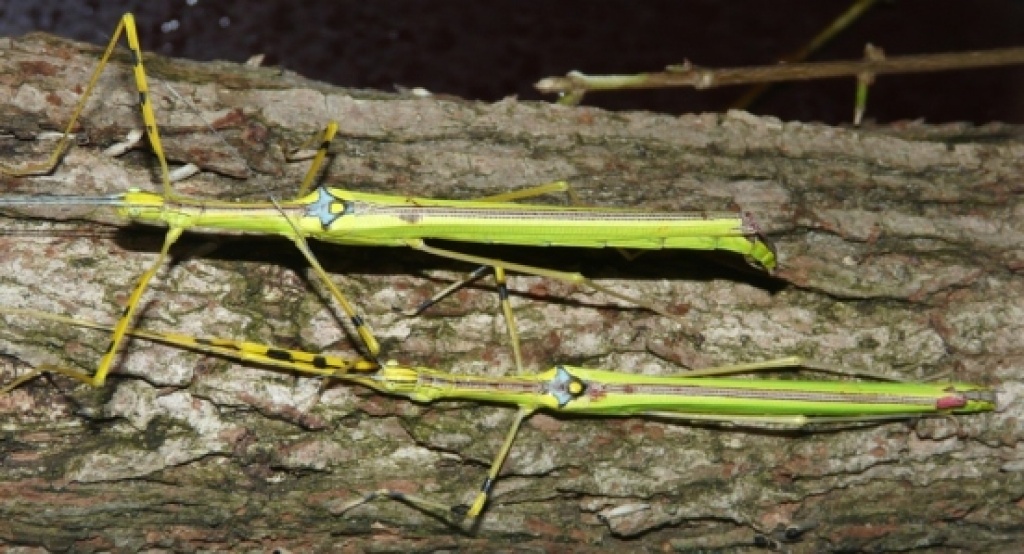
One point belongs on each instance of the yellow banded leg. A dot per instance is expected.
(573, 278)
(326, 137)
(500, 266)
(120, 328)
(362, 328)
(485, 489)
(510, 318)
(440, 295)
(499, 273)
(324, 365)
(503, 298)
(145, 102)
(529, 192)
(460, 511)
(126, 26)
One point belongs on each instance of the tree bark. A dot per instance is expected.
(900, 253)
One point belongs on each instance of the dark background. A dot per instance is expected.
(492, 49)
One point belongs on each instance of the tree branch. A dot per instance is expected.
(900, 253)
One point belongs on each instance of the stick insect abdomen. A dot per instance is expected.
(606, 392)
(381, 219)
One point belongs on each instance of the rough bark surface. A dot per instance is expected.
(900, 249)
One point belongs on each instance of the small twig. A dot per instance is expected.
(689, 75)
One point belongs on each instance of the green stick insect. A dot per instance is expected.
(701, 396)
(350, 218)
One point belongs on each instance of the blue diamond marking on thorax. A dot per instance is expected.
(321, 207)
(559, 386)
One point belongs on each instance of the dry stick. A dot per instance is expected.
(689, 75)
